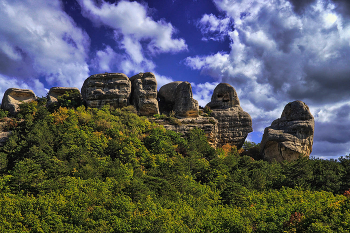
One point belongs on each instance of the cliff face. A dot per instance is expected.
(227, 124)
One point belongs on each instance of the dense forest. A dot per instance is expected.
(68, 168)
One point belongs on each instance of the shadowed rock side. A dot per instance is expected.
(291, 135)
(55, 92)
(185, 105)
(234, 124)
(166, 97)
(108, 88)
(178, 97)
(144, 94)
(13, 97)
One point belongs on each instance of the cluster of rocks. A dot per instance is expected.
(286, 139)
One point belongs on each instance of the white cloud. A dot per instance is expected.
(202, 92)
(214, 28)
(278, 56)
(135, 32)
(39, 41)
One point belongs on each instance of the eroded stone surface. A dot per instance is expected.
(234, 124)
(13, 97)
(144, 94)
(55, 92)
(185, 105)
(290, 136)
(224, 96)
(108, 88)
(166, 97)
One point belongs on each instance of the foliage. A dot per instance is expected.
(77, 169)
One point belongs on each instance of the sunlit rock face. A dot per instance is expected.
(234, 124)
(178, 97)
(55, 92)
(108, 88)
(13, 97)
(290, 136)
(144, 94)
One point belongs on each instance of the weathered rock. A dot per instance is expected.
(224, 96)
(55, 92)
(207, 124)
(290, 136)
(234, 124)
(13, 97)
(166, 96)
(185, 105)
(144, 94)
(108, 88)
(178, 97)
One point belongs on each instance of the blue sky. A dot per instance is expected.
(271, 51)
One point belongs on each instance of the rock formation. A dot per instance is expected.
(144, 94)
(185, 105)
(178, 97)
(55, 92)
(207, 124)
(166, 97)
(291, 135)
(13, 97)
(108, 88)
(233, 123)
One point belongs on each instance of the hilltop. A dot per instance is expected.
(69, 168)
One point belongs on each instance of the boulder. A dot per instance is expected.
(166, 96)
(185, 105)
(178, 97)
(55, 92)
(108, 88)
(290, 136)
(144, 94)
(13, 97)
(224, 97)
(234, 124)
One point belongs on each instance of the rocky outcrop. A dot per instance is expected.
(178, 97)
(234, 124)
(290, 136)
(13, 97)
(208, 124)
(55, 92)
(185, 105)
(144, 94)
(108, 88)
(166, 97)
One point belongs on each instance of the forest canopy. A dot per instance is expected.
(68, 168)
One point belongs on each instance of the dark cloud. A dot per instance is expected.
(341, 6)
(299, 6)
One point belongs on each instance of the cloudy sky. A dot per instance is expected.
(271, 51)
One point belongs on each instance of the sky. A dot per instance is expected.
(271, 51)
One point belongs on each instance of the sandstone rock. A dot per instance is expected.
(55, 92)
(291, 135)
(166, 96)
(13, 97)
(224, 96)
(207, 124)
(178, 97)
(185, 105)
(108, 88)
(144, 94)
(234, 124)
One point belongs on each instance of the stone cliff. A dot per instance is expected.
(224, 122)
